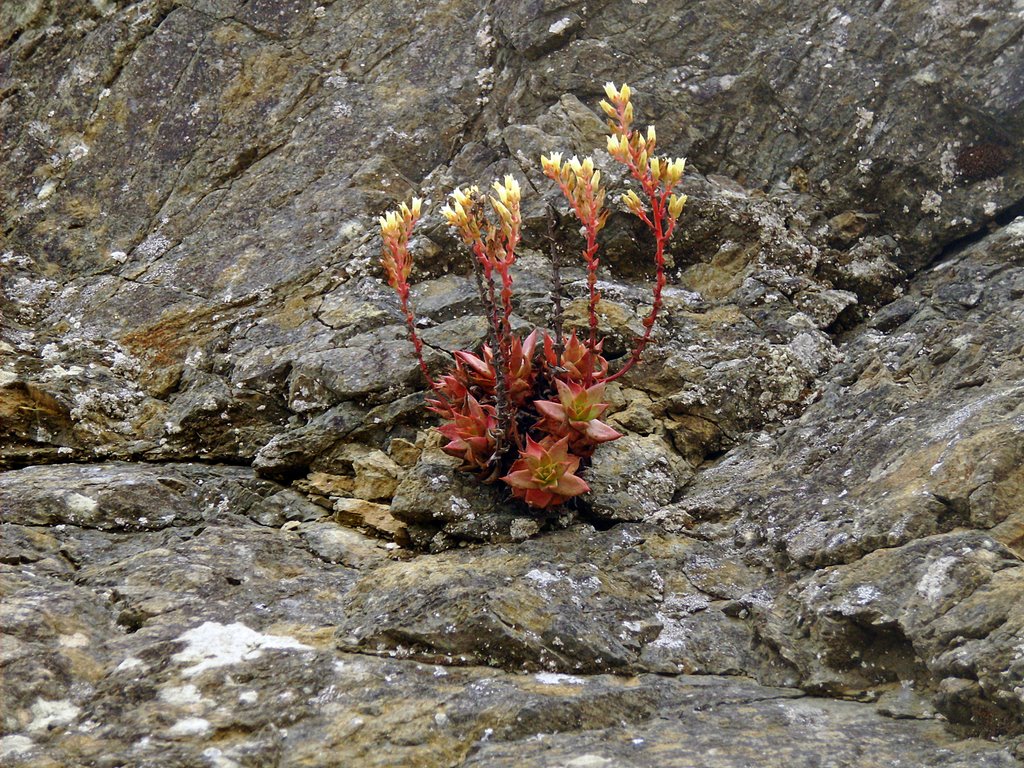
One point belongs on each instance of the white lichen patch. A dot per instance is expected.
(181, 696)
(543, 578)
(213, 645)
(590, 761)
(560, 26)
(190, 726)
(51, 714)
(77, 640)
(79, 504)
(11, 746)
(154, 246)
(1015, 230)
(931, 202)
(554, 678)
(931, 584)
(46, 190)
(865, 119)
(865, 593)
(130, 663)
(948, 164)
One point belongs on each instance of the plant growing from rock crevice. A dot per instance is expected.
(527, 410)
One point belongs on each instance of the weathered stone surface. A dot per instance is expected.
(200, 368)
(633, 477)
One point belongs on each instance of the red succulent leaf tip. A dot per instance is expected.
(521, 373)
(477, 371)
(470, 433)
(576, 360)
(545, 474)
(575, 416)
(452, 392)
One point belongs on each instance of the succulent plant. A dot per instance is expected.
(545, 473)
(497, 417)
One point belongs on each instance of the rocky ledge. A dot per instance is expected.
(227, 534)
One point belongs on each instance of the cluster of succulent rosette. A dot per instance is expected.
(527, 411)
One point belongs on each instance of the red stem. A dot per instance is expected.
(417, 345)
(592, 262)
(502, 341)
(659, 205)
(589, 223)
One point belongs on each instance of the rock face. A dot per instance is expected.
(227, 535)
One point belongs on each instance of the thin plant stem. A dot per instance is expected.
(556, 285)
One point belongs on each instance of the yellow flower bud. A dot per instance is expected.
(617, 146)
(632, 202)
(552, 164)
(611, 91)
(465, 197)
(675, 205)
(512, 192)
(503, 212)
(655, 166)
(608, 109)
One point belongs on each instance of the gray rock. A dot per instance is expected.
(829, 414)
(633, 477)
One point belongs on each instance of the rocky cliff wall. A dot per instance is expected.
(228, 537)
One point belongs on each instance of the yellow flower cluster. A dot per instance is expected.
(396, 228)
(506, 205)
(620, 109)
(658, 175)
(464, 214)
(580, 183)
(396, 224)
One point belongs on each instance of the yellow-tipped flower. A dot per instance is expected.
(395, 228)
(552, 164)
(455, 214)
(508, 191)
(675, 205)
(465, 197)
(616, 95)
(390, 224)
(618, 147)
(503, 212)
(655, 166)
(608, 109)
(674, 171)
(632, 201)
(652, 136)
